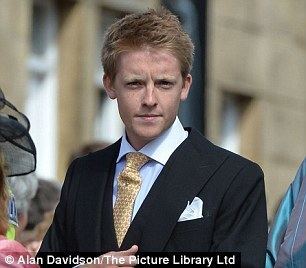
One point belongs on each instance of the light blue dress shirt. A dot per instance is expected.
(159, 151)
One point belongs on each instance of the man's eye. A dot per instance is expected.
(134, 84)
(165, 84)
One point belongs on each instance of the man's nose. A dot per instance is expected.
(149, 97)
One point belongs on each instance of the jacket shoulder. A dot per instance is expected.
(106, 153)
(208, 149)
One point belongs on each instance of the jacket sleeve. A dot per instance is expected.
(241, 223)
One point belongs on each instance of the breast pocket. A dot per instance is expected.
(188, 226)
(190, 236)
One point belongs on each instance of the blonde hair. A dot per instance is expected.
(155, 29)
(3, 197)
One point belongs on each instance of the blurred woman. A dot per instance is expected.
(17, 157)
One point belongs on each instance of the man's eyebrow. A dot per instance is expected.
(133, 77)
(166, 77)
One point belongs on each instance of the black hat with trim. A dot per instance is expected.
(16, 143)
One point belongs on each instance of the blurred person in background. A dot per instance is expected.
(40, 213)
(45, 200)
(161, 187)
(287, 237)
(23, 189)
(17, 157)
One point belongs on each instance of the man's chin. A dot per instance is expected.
(142, 135)
(147, 136)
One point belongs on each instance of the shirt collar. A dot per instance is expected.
(161, 148)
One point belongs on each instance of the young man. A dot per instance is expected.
(160, 187)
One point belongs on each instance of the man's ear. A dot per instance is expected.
(108, 85)
(187, 81)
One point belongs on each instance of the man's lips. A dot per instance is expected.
(148, 117)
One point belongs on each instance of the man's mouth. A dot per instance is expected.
(148, 117)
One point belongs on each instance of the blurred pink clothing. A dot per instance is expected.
(14, 255)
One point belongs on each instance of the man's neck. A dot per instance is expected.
(137, 144)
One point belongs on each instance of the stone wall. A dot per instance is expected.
(258, 49)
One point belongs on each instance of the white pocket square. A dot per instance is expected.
(192, 211)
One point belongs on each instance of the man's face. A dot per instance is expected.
(148, 87)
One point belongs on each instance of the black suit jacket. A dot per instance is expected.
(231, 188)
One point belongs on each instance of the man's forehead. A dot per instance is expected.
(142, 76)
(144, 70)
(151, 54)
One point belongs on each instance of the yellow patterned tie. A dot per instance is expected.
(129, 182)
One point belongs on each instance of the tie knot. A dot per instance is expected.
(136, 160)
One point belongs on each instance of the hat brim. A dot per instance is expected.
(18, 150)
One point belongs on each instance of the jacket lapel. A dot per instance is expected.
(95, 210)
(108, 234)
(182, 178)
